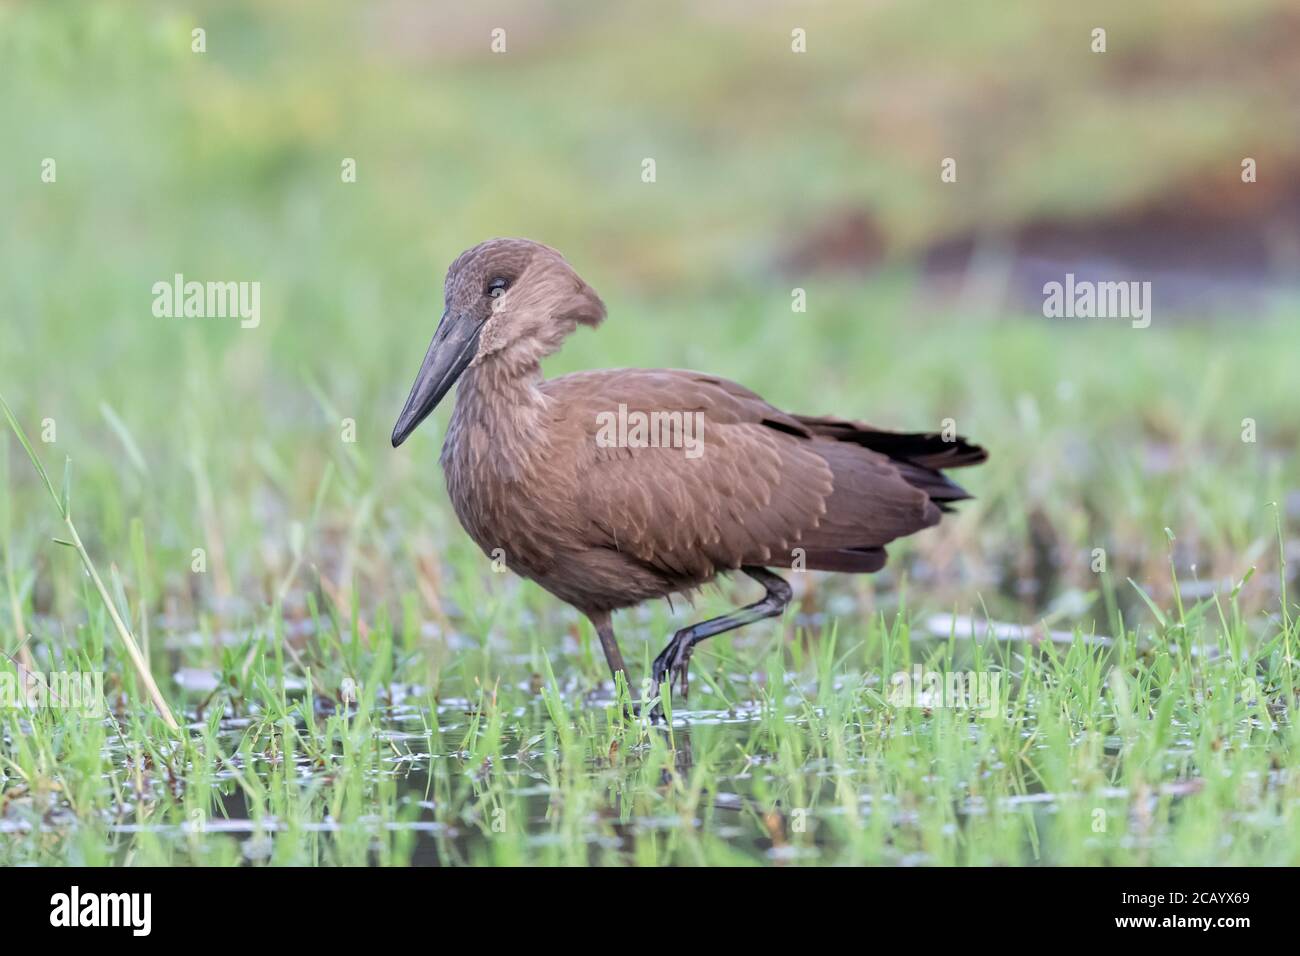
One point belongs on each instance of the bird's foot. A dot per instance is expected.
(674, 664)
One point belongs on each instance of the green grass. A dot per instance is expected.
(1146, 753)
(358, 685)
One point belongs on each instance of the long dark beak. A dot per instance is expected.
(452, 349)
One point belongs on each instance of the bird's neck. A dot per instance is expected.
(499, 419)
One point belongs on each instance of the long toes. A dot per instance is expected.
(663, 665)
(657, 674)
(678, 677)
(681, 671)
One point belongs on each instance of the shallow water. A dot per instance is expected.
(537, 773)
(441, 803)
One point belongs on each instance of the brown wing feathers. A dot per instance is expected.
(745, 500)
(767, 484)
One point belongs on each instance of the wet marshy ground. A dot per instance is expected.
(1172, 746)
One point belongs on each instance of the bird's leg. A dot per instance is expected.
(675, 659)
(613, 656)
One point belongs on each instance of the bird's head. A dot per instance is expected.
(508, 301)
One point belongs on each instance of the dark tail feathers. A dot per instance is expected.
(920, 456)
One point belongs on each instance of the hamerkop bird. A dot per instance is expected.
(611, 487)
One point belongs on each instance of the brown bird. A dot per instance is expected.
(612, 487)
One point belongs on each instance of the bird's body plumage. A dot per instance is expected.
(604, 527)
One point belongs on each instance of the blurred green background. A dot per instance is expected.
(775, 170)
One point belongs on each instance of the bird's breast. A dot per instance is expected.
(515, 501)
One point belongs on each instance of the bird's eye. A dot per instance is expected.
(497, 287)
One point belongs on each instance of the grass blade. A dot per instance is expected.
(74, 541)
(31, 453)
